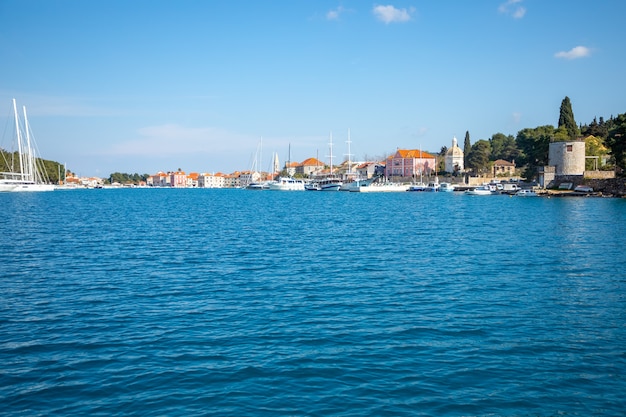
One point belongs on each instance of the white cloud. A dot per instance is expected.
(513, 8)
(334, 14)
(390, 14)
(574, 53)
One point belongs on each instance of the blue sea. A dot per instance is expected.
(199, 302)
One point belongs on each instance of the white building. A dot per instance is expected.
(454, 158)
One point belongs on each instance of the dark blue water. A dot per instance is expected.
(243, 303)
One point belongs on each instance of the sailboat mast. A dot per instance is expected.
(19, 138)
(30, 155)
(330, 144)
(349, 154)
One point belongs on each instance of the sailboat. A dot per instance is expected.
(27, 177)
(329, 182)
(287, 183)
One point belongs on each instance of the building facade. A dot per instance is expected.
(454, 158)
(407, 163)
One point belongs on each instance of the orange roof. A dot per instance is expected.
(412, 153)
(502, 162)
(312, 162)
(193, 176)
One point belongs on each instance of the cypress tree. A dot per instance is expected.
(467, 147)
(566, 119)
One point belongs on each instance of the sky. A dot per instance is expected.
(143, 86)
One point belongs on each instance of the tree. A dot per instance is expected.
(566, 119)
(503, 147)
(478, 158)
(467, 148)
(616, 141)
(594, 147)
(534, 145)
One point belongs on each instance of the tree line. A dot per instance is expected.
(529, 149)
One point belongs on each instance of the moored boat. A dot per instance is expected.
(526, 193)
(287, 184)
(446, 187)
(481, 190)
(29, 177)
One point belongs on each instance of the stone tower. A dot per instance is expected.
(567, 158)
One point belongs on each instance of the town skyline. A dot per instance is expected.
(151, 86)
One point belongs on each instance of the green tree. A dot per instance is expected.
(594, 147)
(503, 147)
(467, 147)
(616, 142)
(566, 119)
(534, 145)
(478, 158)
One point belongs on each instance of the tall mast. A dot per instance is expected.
(19, 139)
(30, 155)
(349, 155)
(330, 144)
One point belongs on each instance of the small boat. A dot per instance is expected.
(258, 186)
(287, 184)
(432, 187)
(446, 187)
(526, 193)
(420, 186)
(376, 187)
(326, 184)
(482, 190)
(356, 184)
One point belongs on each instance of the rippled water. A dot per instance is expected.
(234, 302)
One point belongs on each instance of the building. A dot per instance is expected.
(310, 167)
(502, 168)
(454, 158)
(566, 163)
(409, 163)
(211, 180)
(567, 158)
(178, 179)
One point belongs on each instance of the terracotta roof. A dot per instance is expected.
(312, 162)
(502, 162)
(412, 153)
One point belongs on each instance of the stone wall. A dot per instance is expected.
(599, 175)
(612, 186)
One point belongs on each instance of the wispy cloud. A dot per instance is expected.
(513, 8)
(389, 14)
(335, 14)
(175, 139)
(574, 53)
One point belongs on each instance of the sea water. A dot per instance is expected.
(180, 302)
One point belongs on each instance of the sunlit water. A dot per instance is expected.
(244, 303)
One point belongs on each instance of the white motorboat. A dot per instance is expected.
(482, 190)
(446, 187)
(526, 193)
(420, 186)
(376, 187)
(287, 184)
(326, 184)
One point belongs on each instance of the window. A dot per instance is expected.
(569, 148)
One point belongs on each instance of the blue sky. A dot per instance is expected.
(149, 85)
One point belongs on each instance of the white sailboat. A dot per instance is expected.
(28, 177)
(287, 183)
(329, 182)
